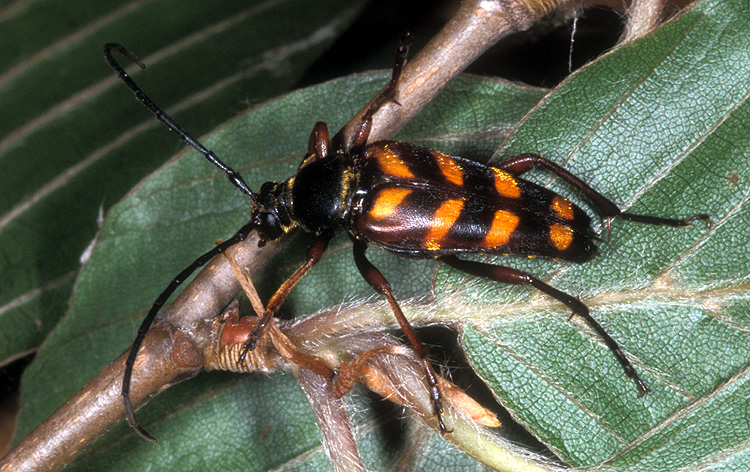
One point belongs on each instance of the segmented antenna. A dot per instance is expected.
(234, 177)
(149, 319)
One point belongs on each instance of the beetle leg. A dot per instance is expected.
(378, 282)
(516, 277)
(388, 94)
(522, 163)
(319, 142)
(287, 349)
(314, 254)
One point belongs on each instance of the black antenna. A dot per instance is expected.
(149, 319)
(234, 177)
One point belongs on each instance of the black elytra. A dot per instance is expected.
(410, 201)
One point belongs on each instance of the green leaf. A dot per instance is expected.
(661, 127)
(657, 126)
(206, 421)
(72, 143)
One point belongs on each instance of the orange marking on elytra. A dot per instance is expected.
(449, 168)
(387, 201)
(562, 208)
(561, 236)
(503, 225)
(505, 184)
(391, 164)
(444, 219)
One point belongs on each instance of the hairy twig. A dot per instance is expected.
(643, 16)
(374, 359)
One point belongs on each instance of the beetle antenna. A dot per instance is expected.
(149, 319)
(234, 177)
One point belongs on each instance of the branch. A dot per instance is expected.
(476, 26)
(643, 16)
(167, 355)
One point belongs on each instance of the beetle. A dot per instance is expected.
(413, 202)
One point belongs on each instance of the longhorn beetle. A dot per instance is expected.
(410, 201)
